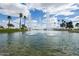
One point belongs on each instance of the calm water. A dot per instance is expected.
(39, 43)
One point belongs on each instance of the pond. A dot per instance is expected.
(39, 43)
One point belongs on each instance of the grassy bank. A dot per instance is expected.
(11, 30)
(74, 31)
(61, 29)
(69, 30)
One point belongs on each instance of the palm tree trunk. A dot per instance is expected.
(24, 22)
(9, 23)
(20, 24)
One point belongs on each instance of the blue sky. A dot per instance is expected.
(57, 11)
(37, 14)
(4, 17)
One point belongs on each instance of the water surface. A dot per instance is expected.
(39, 43)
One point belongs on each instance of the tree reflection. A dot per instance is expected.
(9, 40)
(22, 40)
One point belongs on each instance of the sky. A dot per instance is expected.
(39, 13)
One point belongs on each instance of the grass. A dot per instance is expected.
(69, 30)
(74, 31)
(11, 30)
(61, 29)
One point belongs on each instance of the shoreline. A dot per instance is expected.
(23, 30)
(69, 30)
(74, 31)
(12, 30)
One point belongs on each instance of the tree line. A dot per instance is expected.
(21, 26)
(66, 24)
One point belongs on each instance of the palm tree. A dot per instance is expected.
(20, 15)
(70, 24)
(24, 20)
(63, 24)
(23, 25)
(9, 19)
(77, 24)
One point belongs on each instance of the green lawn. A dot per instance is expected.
(11, 30)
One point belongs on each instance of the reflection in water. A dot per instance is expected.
(40, 43)
(37, 42)
(9, 39)
(22, 39)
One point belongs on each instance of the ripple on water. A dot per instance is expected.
(40, 43)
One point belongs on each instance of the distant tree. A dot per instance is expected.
(58, 20)
(63, 24)
(9, 22)
(24, 20)
(10, 25)
(20, 15)
(77, 25)
(9, 19)
(69, 24)
(23, 25)
(1, 27)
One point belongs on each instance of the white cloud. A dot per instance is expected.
(65, 13)
(13, 9)
(50, 22)
(51, 8)
(75, 19)
(55, 8)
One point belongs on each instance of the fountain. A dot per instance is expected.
(33, 31)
